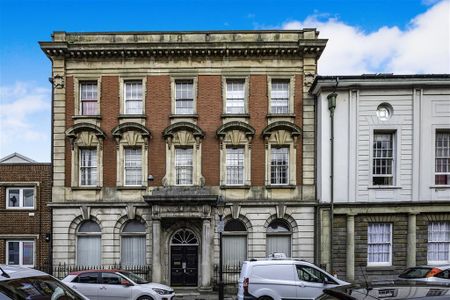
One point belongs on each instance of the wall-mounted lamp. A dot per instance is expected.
(150, 178)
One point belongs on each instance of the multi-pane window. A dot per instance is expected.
(439, 242)
(383, 159)
(88, 98)
(183, 166)
(133, 244)
(184, 97)
(88, 166)
(235, 103)
(279, 97)
(379, 244)
(133, 97)
(279, 168)
(133, 166)
(20, 198)
(442, 157)
(235, 166)
(20, 253)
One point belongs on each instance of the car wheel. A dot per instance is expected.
(265, 298)
(145, 298)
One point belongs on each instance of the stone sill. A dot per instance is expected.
(286, 186)
(235, 187)
(82, 117)
(440, 187)
(86, 188)
(245, 115)
(16, 210)
(128, 116)
(288, 115)
(121, 188)
(384, 187)
(181, 116)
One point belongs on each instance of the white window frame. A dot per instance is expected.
(443, 157)
(21, 190)
(272, 148)
(185, 166)
(126, 83)
(241, 169)
(125, 168)
(375, 264)
(227, 100)
(80, 97)
(175, 99)
(80, 167)
(288, 110)
(21, 252)
(436, 262)
(393, 158)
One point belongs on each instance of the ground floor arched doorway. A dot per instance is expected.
(184, 258)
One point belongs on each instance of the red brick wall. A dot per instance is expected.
(298, 110)
(209, 108)
(109, 109)
(19, 221)
(258, 107)
(157, 108)
(70, 111)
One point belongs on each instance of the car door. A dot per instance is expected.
(311, 282)
(87, 284)
(112, 287)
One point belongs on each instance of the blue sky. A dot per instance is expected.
(401, 36)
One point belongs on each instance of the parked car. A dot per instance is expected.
(276, 279)
(116, 284)
(398, 290)
(439, 273)
(20, 283)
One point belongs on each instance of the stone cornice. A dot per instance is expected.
(186, 44)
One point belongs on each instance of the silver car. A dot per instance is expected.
(437, 273)
(276, 279)
(20, 283)
(116, 285)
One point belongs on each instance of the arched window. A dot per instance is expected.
(133, 244)
(234, 243)
(89, 236)
(279, 237)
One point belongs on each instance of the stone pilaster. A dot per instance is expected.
(411, 250)
(206, 255)
(350, 261)
(156, 251)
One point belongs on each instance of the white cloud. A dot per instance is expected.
(423, 47)
(25, 120)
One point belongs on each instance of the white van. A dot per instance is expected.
(276, 279)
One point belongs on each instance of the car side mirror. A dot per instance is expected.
(327, 281)
(125, 283)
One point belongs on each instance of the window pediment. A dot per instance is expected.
(131, 133)
(75, 131)
(236, 125)
(293, 129)
(183, 133)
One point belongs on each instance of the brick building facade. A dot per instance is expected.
(151, 129)
(25, 218)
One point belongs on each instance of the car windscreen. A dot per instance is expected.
(37, 288)
(419, 272)
(135, 278)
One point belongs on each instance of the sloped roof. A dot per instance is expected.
(16, 158)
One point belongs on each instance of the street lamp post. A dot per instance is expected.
(220, 227)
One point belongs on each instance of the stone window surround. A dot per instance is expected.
(173, 80)
(131, 135)
(85, 135)
(186, 135)
(78, 234)
(77, 85)
(21, 240)
(396, 141)
(246, 93)
(291, 78)
(21, 185)
(276, 134)
(123, 79)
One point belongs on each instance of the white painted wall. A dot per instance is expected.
(418, 112)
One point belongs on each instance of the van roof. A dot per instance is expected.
(288, 261)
